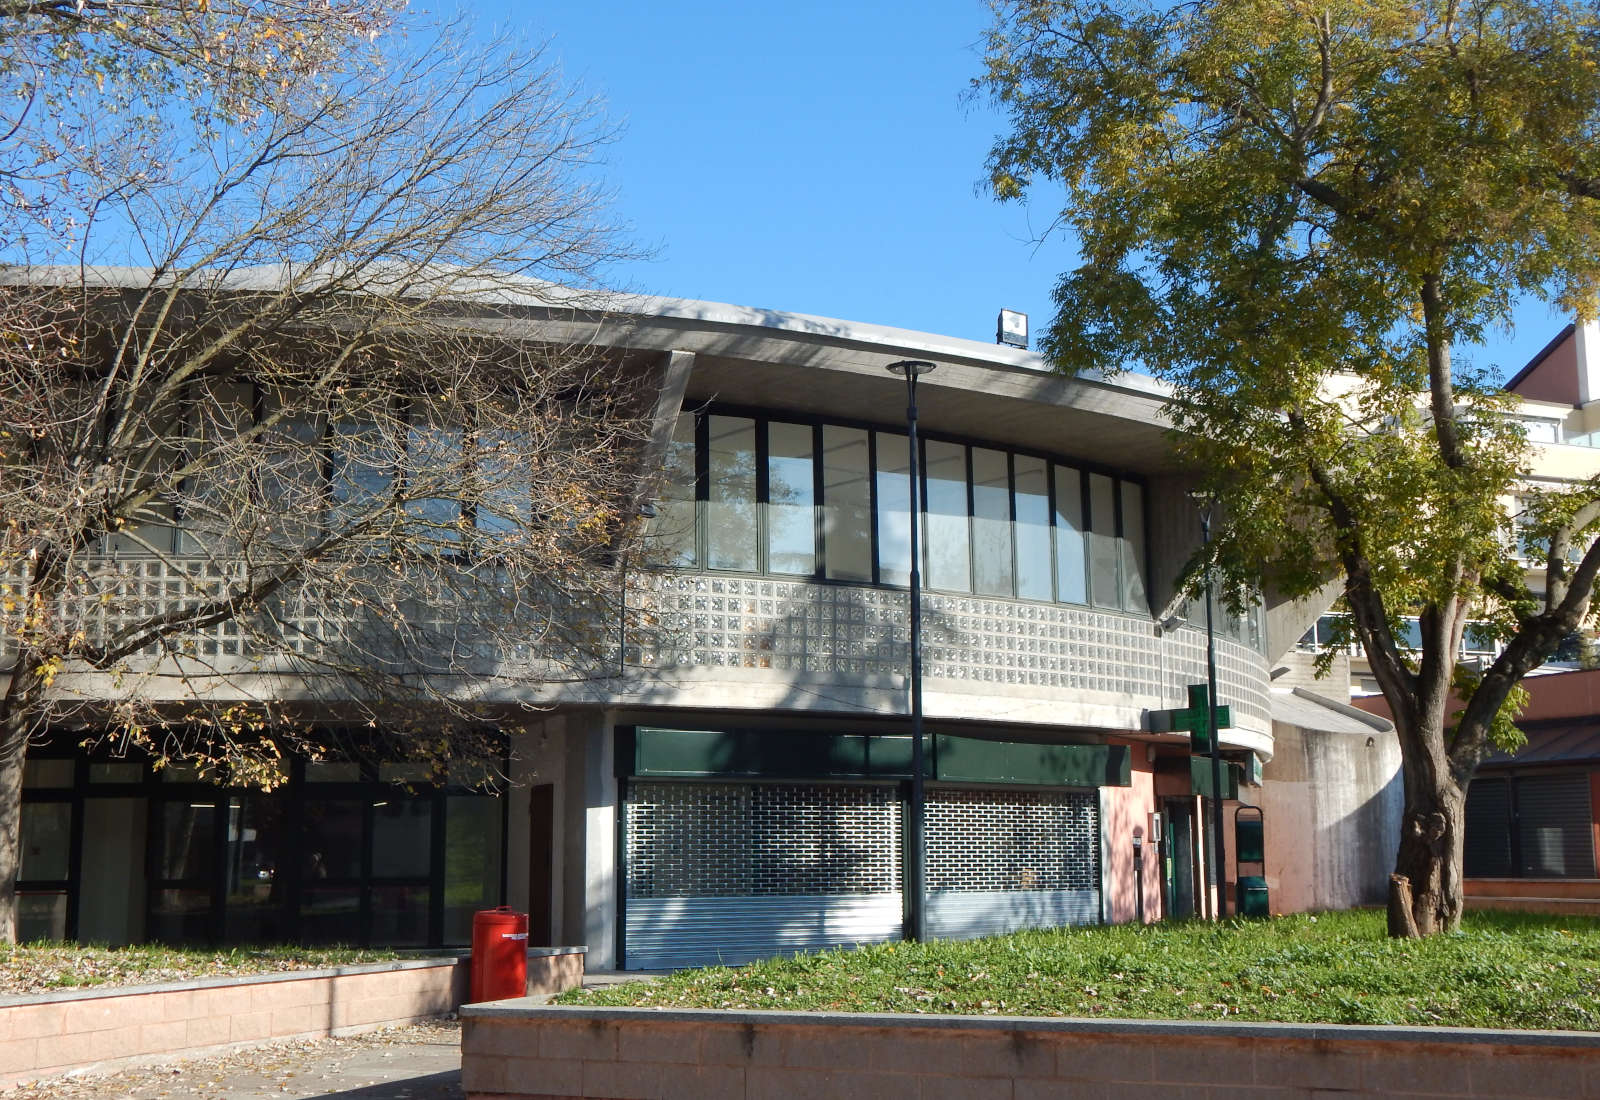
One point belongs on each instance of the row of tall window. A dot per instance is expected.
(753, 494)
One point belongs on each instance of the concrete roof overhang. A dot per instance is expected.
(824, 367)
(765, 358)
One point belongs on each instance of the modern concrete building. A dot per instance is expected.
(739, 785)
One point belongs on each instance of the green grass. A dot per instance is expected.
(41, 967)
(1502, 970)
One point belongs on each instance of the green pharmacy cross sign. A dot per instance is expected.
(1195, 719)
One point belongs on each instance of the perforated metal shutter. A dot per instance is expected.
(1554, 826)
(1003, 860)
(731, 872)
(1487, 851)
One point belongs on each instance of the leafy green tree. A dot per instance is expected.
(1294, 212)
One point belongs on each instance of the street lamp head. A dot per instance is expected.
(911, 368)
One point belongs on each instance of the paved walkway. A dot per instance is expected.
(420, 1062)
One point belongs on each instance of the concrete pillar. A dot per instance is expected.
(589, 899)
(537, 757)
(1586, 335)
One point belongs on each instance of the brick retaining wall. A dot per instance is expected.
(44, 1035)
(512, 1049)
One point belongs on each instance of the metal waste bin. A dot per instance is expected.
(499, 964)
(1251, 899)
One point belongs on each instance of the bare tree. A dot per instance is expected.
(307, 452)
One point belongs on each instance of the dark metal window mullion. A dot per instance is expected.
(1050, 505)
(1086, 536)
(1116, 531)
(80, 791)
(972, 523)
(919, 477)
(1011, 495)
(702, 487)
(819, 503)
(872, 503)
(763, 456)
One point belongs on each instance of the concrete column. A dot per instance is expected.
(1586, 335)
(590, 851)
(538, 757)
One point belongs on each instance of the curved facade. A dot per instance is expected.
(737, 782)
(741, 787)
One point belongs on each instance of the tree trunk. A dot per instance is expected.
(1428, 864)
(13, 744)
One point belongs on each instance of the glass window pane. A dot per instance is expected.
(41, 916)
(791, 495)
(1103, 541)
(1133, 590)
(47, 773)
(111, 883)
(731, 503)
(433, 474)
(991, 522)
(1071, 576)
(847, 504)
(504, 490)
(187, 839)
(894, 508)
(330, 914)
(332, 771)
(181, 916)
(400, 915)
(362, 470)
(257, 849)
(333, 840)
(46, 840)
(121, 771)
(402, 844)
(1033, 528)
(947, 529)
(673, 528)
(471, 862)
(404, 771)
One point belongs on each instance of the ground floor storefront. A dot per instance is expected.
(654, 839)
(114, 851)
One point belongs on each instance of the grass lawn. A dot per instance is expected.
(41, 967)
(1502, 970)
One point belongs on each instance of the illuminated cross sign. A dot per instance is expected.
(1195, 719)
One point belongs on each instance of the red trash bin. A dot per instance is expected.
(499, 954)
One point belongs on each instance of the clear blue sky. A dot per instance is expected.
(822, 158)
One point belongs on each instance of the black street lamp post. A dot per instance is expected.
(916, 855)
(1217, 861)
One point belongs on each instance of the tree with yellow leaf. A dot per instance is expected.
(1294, 212)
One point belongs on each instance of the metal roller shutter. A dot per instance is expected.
(1487, 847)
(1003, 860)
(1555, 826)
(731, 872)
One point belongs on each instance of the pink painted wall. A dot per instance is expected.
(1126, 808)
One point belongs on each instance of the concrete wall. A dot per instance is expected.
(102, 1029)
(509, 1050)
(1332, 803)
